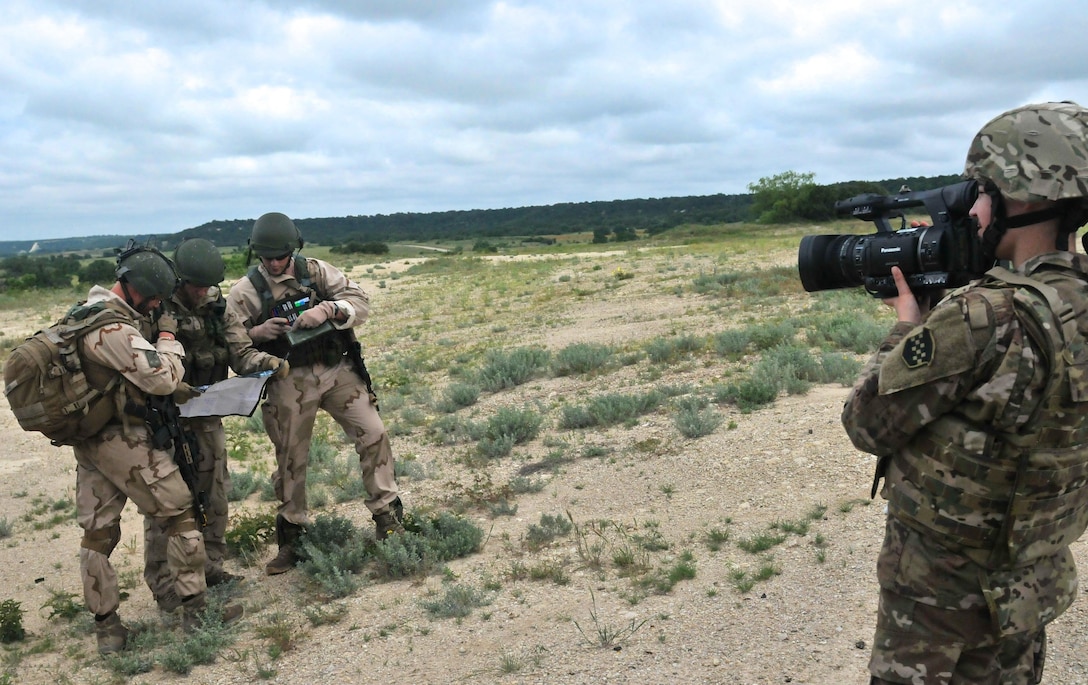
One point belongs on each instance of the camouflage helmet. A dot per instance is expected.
(1034, 153)
(274, 235)
(199, 262)
(147, 270)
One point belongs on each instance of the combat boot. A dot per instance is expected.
(286, 537)
(111, 633)
(168, 601)
(194, 613)
(221, 577)
(390, 521)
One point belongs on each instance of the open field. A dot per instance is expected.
(601, 414)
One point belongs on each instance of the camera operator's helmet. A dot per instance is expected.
(274, 235)
(199, 262)
(148, 271)
(1034, 153)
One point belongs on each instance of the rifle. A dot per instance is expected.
(163, 419)
(355, 355)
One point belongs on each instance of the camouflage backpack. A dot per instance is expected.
(46, 386)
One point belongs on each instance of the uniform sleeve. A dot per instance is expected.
(156, 369)
(918, 374)
(346, 295)
(244, 302)
(242, 356)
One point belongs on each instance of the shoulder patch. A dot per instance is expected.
(940, 348)
(918, 349)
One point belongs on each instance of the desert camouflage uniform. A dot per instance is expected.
(962, 414)
(120, 464)
(327, 383)
(213, 340)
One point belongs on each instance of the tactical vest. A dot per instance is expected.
(327, 349)
(203, 334)
(1003, 498)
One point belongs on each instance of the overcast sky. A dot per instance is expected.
(150, 117)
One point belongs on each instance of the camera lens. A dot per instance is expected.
(826, 262)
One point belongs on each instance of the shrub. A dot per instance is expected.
(666, 350)
(457, 602)
(458, 396)
(694, 418)
(606, 410)
(504, 370)
(580, 358)
(250, 534)
(11, 621)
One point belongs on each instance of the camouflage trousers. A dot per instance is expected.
(213, 479)
(924, 645)
(289, 413)
(110, 470)
(934, 624)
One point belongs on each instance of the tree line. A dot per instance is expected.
(783, 198)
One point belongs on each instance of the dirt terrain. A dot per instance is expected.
(811, 622)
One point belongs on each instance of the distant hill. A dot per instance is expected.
(651, 215)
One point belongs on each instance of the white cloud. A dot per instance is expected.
(122, 117)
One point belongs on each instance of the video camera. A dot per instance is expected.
(945, 254)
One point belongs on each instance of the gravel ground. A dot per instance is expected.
(811, 622)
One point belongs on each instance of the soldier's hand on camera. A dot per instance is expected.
(185, 392)
(280, 366)
(269, 330)
(168, 324)
(905, 304)
(317, 315)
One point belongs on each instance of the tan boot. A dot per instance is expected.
(287, 534)
(111, 633)
(195, 613)
(390, 521)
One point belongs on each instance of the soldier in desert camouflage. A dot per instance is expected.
(120, 464)
(214, 342)
(977, 411)
(326, 373)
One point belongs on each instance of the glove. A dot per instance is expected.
(269, 330)
(280, 366)
(317, 315)
(185, 392)
(168, 324)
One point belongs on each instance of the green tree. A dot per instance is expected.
(779, 199)
(100, 271)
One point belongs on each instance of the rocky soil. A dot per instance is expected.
(809, 623)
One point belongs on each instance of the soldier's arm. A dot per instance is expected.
(155, 368)
(918, 374)
(242, 356)
(351, 304)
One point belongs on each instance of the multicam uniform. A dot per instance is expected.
(214, 340)
(979, 416)
(321, 377)
(120, 464)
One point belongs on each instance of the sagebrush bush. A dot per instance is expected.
(694, 418)
(666, 350)
(580, 358)
(609, 409)
(458, 396)
(508, 369)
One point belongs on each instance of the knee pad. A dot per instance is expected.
(103, 540)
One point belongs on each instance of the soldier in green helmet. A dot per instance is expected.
(215, 342)
(120, 462)
(978, 412)
(306, 309)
